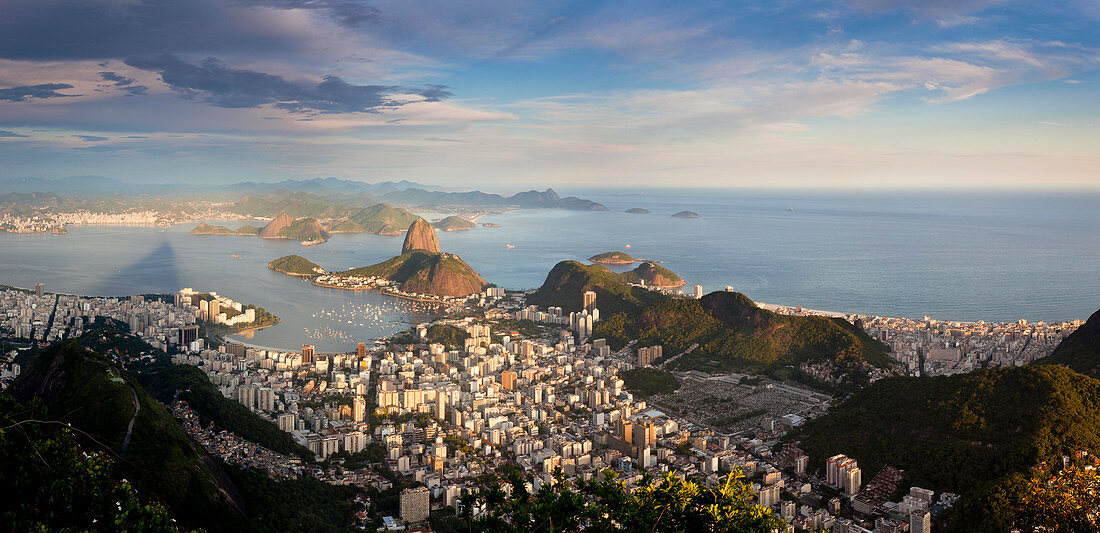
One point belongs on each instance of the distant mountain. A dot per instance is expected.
(976, 434)
(380, 219)
(1080, 350)
(730, 332)
(295, 204)
(101, 400)
(454, 223)
(533, 199)
(566, 283)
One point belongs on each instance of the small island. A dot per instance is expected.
(652, 275)
(296, 265)
(637, 211)
(686, 214)
(489, 225)
(454, 223)
(612, 258)
(307, 230)
(206, 229)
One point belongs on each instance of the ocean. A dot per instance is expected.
(951, 255)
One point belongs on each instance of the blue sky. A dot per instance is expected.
(503, 95)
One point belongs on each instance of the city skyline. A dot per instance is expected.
(860, 93)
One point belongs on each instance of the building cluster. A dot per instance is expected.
(932, 347)
(216, 309)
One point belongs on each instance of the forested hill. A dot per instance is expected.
(975, 434)
(731, 333)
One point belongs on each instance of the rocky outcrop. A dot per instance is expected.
(653, 275)
(420, 236)
(273, 229)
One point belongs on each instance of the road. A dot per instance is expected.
(130, 428)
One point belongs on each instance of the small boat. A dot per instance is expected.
(235, 255)
(509, 246)
(789, 208)
(627, 246)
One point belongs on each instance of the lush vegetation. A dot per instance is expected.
(378, 218)
(646, 382)
(668, 504)
(304, 229)
(568, 280)
(303, 504)
(206, 229)
(730, 332)
(1081, 349)
(295, 265)
(97, 397)
(612, 257)
(294, 204)
(454, 223)
(54, 483)
(976, 434)
(446, 335)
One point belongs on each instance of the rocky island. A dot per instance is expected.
(653, 275)
(613, 258)
(686, 214)
(206, 229)
(637, 211)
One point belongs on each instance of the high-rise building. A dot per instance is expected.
(852, 480)
(769, 496)
(361, 350)
(360, 409)
(698, 291)
(188, 334)
(920, 522)
(414, 505)
(589, 301)
(38, 289)
(508, 380)
(214, 308)
(308, 356)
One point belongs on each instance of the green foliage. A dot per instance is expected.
(568, 280)
(603, 504)
(98, 398)
(294, 204)
(379, 219)
(53, 483)
(652, 274)
(975, 434)
(303, 504)
(304, 229)
(447, 335)
(425, 272)
(732, 333)
(527, 328)
(646, 382)
(295, 265)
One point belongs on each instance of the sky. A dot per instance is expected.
(987, 94)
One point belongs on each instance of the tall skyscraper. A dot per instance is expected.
(360, 409)
(38, 289)
(589, 301)
(698, 291)
(361, 350)
(308, 356)
(508, 380)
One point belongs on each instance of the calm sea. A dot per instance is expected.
(953, 256)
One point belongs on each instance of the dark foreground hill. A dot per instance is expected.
(1080, 350)
(731, 333)
(114, 414)
(974, 434)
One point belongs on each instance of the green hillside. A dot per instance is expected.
(206, 229)
(304, 229)
(975, 434)
(424, 272)
(98, 398)
(568, 280)
(454, 223)
(1080, 350)
(652, 274)
(295, 265)
(732, 333)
